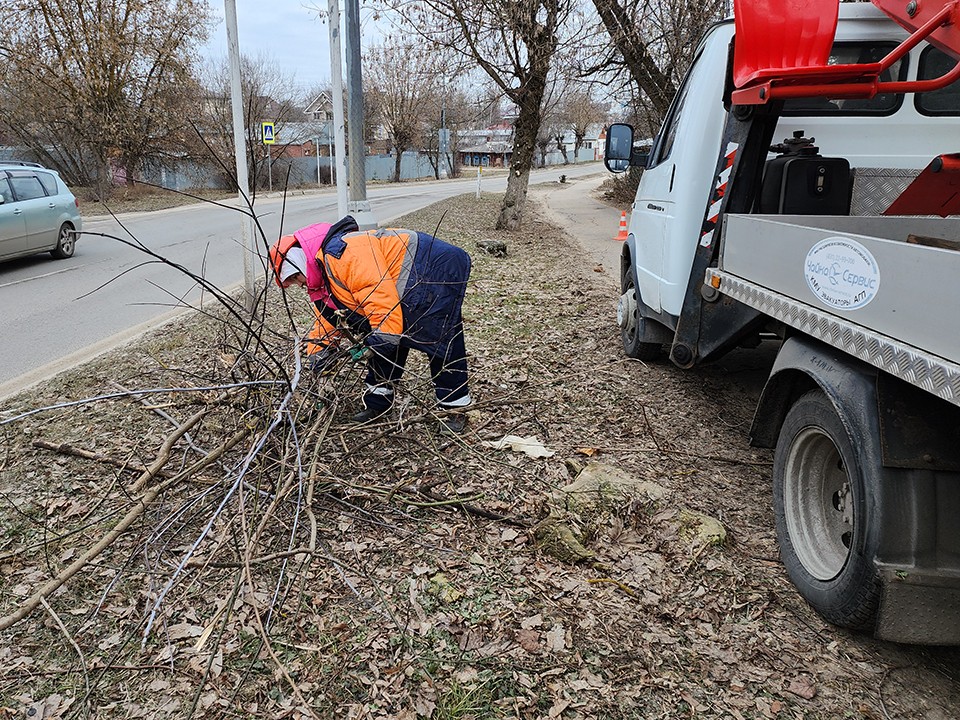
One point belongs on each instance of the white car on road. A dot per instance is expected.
(37, 212)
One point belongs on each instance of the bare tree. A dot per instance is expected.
(87, 84)
(451, 111)
(560, 135)
(544, 138)
(551, 124)
(514, 44)
(580, 110)
(655, 41)
(403, 79)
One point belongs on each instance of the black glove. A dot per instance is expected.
(324, 362)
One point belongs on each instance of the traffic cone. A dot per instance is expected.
(622, 235)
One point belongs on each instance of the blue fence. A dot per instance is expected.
(185, 174)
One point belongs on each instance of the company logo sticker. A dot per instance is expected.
(842, 273)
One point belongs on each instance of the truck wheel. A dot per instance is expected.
(66, 243)
(822, 501)
(632, 323)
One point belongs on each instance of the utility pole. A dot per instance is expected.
(336, 81)
(444, 140)
(250, 255)
(359, 207)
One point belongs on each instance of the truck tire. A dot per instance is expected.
(823, 503)
(632, 323)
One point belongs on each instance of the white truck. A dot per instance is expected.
(842, 249)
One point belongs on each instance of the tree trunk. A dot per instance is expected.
(627, 38)
(128, 172)
(104, 178)
(396, 164)
(562, 147)
(524, 147)
(577, 144)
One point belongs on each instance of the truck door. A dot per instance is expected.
(653, 208)
(674, 190)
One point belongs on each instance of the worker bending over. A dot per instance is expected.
(390, 289)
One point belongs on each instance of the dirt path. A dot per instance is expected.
(431, 576)
(592, 224)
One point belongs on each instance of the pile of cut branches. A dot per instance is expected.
(204, 468)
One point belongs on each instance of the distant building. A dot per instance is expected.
(594, 140)
(486, 147)
(310, 135)
(493, 146)
(319, 113)
(304, 139)
(320, 108)
(601, 149)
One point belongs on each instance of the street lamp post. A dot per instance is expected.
(336, 78)
(444, 141)
(330, 152)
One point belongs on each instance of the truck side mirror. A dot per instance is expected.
(618, 152)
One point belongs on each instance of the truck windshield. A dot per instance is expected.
(854, 53)
(946, 101)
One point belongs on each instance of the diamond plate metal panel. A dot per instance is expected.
(924, 370)
(874, 189)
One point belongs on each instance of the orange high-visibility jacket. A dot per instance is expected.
(404, 283)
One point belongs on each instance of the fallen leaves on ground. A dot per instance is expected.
(418, 584)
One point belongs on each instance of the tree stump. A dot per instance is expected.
(497, 248)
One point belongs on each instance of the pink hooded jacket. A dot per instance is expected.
(311, 239)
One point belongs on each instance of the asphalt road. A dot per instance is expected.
(58, 313)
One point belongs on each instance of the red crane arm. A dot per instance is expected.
(782, 46)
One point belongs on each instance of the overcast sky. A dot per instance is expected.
(286, 32)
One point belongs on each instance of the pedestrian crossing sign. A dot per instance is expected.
(267, 134)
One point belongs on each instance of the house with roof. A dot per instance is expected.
(486, 147)
(320, 109)
(493, 146)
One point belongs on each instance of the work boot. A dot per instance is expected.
(454, 422)
(366, 415)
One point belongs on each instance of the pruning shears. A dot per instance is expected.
(358, 352)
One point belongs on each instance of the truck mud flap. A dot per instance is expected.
(919, 609)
